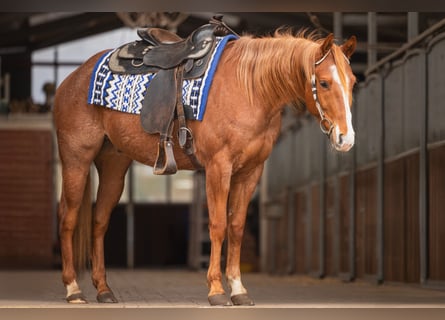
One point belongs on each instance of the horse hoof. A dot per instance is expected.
(76, 298)
(219, 300)
(106, 297)
(242, 299)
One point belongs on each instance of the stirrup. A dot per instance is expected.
(165, 160)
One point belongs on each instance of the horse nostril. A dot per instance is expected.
(340, 139)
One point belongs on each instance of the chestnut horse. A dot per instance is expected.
(255, 79)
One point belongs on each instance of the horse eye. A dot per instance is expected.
(324, 84)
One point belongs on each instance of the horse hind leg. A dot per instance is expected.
(72, 205)
(111, 166)
(75, 207)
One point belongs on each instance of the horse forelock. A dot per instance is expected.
(276, 67)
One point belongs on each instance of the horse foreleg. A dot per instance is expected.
(241, 191)
(217, 188)
(111, 167)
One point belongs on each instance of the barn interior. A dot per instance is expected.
(372, 214)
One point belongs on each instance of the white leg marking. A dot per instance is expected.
(72, 288)
(236, 286)
(349, 137)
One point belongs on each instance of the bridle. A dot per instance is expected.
(324, 122)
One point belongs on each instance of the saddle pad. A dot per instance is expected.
(126, 92)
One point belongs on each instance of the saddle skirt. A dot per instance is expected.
(126, 92)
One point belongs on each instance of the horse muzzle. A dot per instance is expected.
(342, 142)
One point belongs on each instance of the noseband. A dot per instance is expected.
(324, 122)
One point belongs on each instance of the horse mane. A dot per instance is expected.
(264, 63)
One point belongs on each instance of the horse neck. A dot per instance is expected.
(274, 71)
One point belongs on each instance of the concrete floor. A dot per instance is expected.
(185, 291)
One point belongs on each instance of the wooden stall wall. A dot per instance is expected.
(26, 199)
(436, 159)
(331, 229)
(344, 227)
(301, 232)
(376, 213)
(436, 219)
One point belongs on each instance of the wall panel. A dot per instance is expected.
(366, 223)
(301, 225)
(436, 241)
(344, 225)
(26, 199)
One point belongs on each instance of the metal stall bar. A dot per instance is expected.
(322, 204)
(338, 33)
(291, 232)
(352, 213)
(372, 59)
(380, 186)
(423, 182)
(413, 32)
(129, 208)
(372, 38)
(413, 25)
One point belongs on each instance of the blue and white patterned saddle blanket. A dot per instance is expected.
(126, 92)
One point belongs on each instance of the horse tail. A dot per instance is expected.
(82, 238)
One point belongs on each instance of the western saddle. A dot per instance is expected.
(173, 59)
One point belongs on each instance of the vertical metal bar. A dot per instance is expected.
(168, 188)
(130, 220)
(264, 236)
(308, 234)
(372, 38)
(351, 205)
(56, 65)
(291, 209)
(338, 33)
(191, 256)
(338, 25)
(336, 233)
(291, 230)
(322, 206)
(423, 182)
(380, 184)
(272, 266)
(352, 214)
(413, 25)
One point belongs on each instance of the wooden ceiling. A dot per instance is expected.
(26, 32)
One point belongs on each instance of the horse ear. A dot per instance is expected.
(348, 47)
(327, 44)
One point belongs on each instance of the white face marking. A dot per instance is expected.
(236, 286)
(347, 139)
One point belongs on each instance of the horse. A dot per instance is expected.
(255, 79)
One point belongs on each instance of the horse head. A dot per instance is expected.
(329, 93)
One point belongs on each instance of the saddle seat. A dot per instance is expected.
(158, 36)
(161, 49)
